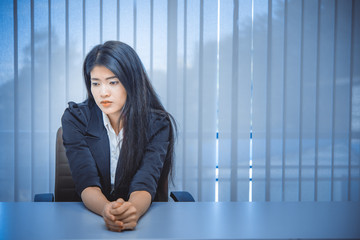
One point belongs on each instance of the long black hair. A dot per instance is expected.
(141, 100)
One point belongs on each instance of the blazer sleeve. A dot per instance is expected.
(82, 164)
(148, 174)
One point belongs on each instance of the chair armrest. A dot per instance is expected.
(182, 196)
(44, 197)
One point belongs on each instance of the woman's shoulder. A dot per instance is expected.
(159, 122)
(77, 112)
(159, 117)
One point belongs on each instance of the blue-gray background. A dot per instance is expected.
(283, 72)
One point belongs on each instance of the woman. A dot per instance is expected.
(120, 141)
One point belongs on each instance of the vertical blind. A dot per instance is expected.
(266, 93)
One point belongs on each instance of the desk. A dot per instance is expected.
(206, 220)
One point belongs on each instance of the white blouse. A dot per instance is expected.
(115, 146)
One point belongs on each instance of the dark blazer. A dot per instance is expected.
(88, 151)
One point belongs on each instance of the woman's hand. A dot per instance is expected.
(110, 220)
(121, 215)
(126, 213)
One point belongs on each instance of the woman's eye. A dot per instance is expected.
(94, 83)
(114, 82)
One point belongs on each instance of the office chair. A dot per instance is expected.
(65, 187)
(64, 184)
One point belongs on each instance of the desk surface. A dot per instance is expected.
(242, 220)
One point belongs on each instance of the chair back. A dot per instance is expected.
(64, 184)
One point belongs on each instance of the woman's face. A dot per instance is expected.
(108, 92)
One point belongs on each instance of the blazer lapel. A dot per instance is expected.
(98, 142)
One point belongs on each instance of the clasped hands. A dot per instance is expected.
(120, 215)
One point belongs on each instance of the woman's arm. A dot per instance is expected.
(141, 200)
(94, 199)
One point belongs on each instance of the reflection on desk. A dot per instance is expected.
(200, 220)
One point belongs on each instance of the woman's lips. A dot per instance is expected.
(105, 103)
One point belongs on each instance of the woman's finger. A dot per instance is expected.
(129, 215)
(114, 228)
(106, 213)
(121, 209)
(113, 224)
(129, 226)
(120, 200)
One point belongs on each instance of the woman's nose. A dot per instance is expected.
(105, 92)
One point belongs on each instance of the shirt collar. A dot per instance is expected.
(108, 126)
(105, 119)
(107, 123)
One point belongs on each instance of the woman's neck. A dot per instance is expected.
(115, 124)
